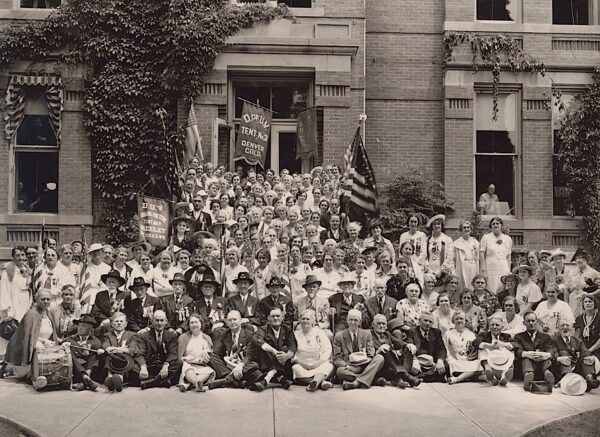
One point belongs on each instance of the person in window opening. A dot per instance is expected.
(488, 201)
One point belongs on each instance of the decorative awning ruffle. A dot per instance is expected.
(15, 101)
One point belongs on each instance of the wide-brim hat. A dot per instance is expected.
(8, 328)
(311, 279)
(426, 361)
(394, 324)
(346, 278)
(183, 218)
(202, 234)
(545, 251)
(505, 278)
(433, 219)
(144, 244)
(275, 281)
(178, 277)
(179, 205)
(500, 359)
(138, 282)
(113, 274)
(573, 384)
(86, 318)
(358, 358)
(556, 253)
(243, 276)
(209, 279)
(119, 362)
(95, 247)
(517, 269)
(369, 249)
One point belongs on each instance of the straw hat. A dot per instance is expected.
(573, 384)
(435, 218)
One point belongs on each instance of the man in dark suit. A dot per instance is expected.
(333, 231)
(243, 301)
(397, 353)
(177, 305)
(201, 220)
(140, 307)
(354, 355)
(209, 307)
(270, 354)
(276, 300)
(108, 301)
(536, 351)
(116, 342)
(341, 303)
(229, 350)
(86, 363)
(573, 356)
(194, 275)
(428, 342)
(380, 303)
(157, 354)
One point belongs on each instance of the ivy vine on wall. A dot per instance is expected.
(494, 52)
(143, 57)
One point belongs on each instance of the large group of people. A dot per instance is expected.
(267, 282)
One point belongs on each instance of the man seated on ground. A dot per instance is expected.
(573, 356)
(276, 299)
(86, 362)
(177, 305)
(380, 303)
(119, 345)
(431, 353)
(243, 302)
(270, 354)
(344, 301)
(354, 354)
(536, 351)
(229, 350)
(157, 354)
(494, 341)
(397, 353)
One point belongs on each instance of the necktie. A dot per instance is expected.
(348, 300)
(359, 282)
(159, 338)
(234, 346)
(381, 302)
(355, 342)
(567, 340)
(243, 301)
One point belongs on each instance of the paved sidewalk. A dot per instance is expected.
(470, 409)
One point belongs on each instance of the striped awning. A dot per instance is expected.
(15, 101)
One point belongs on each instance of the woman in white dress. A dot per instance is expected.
(466, 256)
(440, 249)
(312, 361)
(462, 356)
(512, 322)
(194, 349)
(495, 249)
(442, 316)
(161, 275)
(528, 292)
(417, 238)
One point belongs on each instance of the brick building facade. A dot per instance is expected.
(346, 57)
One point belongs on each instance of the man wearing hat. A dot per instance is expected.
(177, 305)
(396, 352)
(93, 273)
(157, 354)
(430, 350)
(573, 356)
(243, 301)
(119, 345)
(140, 306)
(342, 302)
(536, 351)
(86, 351)
(317, 303)
(194, 275)
(354, 354)
(210, 307)
(269, 354)
(201, 219)
(381, 303)
(494, 345)
(276, 299)
(378, 240)
(110, 300)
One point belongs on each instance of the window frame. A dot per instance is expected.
(517, 155)
(17, 5)
(518, 19)
(592, 13)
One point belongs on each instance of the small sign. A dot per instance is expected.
(154, 220)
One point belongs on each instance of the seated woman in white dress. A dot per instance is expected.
(462, 356)
(312, 361)
(194, 352)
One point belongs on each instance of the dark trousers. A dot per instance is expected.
(580, 368)
(537, 367)
(82, 364)
(253, 373)
(223, 372)
(173, 374)
(395, 366)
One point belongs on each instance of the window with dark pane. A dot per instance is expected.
(497, 10)
(36, 181)
(296, 3)
(574, 12)
(40, 4)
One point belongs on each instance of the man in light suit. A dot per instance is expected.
(536, 351)
(380, 303)
(243, 301)
(157, 354)
(229, 350)
(354, 354)
(573, 356)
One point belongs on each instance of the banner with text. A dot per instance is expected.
(154, 220)
(306, 134)
(253, 137)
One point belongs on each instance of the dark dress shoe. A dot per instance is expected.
(217, 383)
(89, 383)
(312, 386)
(118, 382)
(592, 382)
(109, 383)
(286, 384)
(381, 381)
(259, 386)
(400, 383)
(413, 381)
(347, 385)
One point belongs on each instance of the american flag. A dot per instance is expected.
(193, 142)
(36, 281)
(85, 284)
(363, 196)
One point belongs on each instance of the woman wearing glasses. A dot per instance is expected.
(495, 249)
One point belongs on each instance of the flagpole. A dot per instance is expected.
(362, 118)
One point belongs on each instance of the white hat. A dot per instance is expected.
(346, 277)
(358, 358)
(94, 247)
(426, 361)
(573, 384)
(546, 251)
(556, 253)
(441, 217)
(500, 359)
